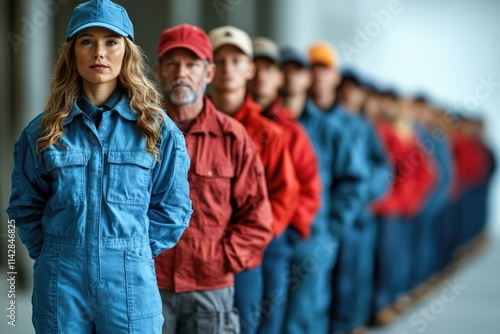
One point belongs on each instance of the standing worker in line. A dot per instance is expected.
(343, 173)
(233, 55)
(99, 184)
(354, 271)
(414, 181)
(232, 214)
(264, 88)
(323, 94)
(297, 79)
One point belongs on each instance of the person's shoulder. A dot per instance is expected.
(266, 125)
(227, 124)
(283, 117)
(33, 128)
(170, 130)
(168, 124)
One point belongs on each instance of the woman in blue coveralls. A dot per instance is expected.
(99, 184)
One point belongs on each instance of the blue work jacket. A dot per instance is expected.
(100, 184)
(342, 166)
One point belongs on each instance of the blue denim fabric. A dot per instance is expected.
(353, 274)
(392, 264)
(475, 211)
(248, 294)
(448, 233)
(345, 281)
(343, 172)
(261, 293)
(275, 270)
(380, 180)
(92, 213)
(424, 239)
(310, 289)
(366, 271)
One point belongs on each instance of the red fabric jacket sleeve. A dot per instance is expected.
(249, 234)
(282, 183)
(421, 175)
(305, 165)
(414, 176)
(471, 163)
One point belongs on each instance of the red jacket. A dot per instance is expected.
(282, 184)
(414, 175)
(305, 164)
(472, 163)
(231, 223)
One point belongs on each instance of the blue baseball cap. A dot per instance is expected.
(100, 13)
(290, 54)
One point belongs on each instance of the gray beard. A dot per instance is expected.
(183, 99)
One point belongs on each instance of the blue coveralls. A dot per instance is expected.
(93, 213)
(343, 175)
(474, 205)
(481, 215)
(353, 273)
(424, 237)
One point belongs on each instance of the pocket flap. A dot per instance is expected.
(141, 158)
(215, 170)
(53, 161)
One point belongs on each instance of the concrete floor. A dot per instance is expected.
(467, 302)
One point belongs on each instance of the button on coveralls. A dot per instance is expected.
(92, 213)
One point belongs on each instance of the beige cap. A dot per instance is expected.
(264, 47)
(229, 35)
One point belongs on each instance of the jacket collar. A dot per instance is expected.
(248, 109)
(206, 122)
(117, 102)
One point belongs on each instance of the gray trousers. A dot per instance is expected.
(204, 312)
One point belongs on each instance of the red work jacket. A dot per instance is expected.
(282, 184)
(231, 222)
(472, 163)
(305, 164)
(414, 175)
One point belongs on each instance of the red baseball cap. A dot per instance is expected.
(188, 37)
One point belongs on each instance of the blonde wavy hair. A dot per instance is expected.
(66, 88)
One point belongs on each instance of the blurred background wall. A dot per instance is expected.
(447, 49)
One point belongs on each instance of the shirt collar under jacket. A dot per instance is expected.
(206, 122)
(117, 102)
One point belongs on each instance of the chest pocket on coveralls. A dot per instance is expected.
(68, 171)
(212, 184)
(129, 177)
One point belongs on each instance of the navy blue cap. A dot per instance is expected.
(100, 13)
(353, 75)
(292, 55)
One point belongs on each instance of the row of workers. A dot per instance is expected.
(356, 179)
(436, 205)
(317, 202)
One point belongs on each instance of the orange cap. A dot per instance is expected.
(322, 53)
